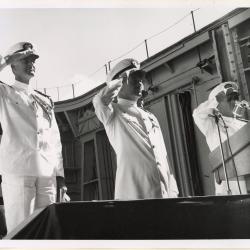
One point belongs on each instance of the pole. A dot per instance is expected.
(73, 89)
(146, 45)
(106, 69)
(192, 14)
(198, 48)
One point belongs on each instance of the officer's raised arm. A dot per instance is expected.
(102, 101)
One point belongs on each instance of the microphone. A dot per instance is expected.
(215, 114)
(240, 108)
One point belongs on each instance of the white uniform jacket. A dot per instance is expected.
(142, 166)
(30, 145)
(208, 127)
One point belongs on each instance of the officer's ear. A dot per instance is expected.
(13, 68)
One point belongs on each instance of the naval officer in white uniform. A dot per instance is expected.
(31, 162)
(143, 170)
(221, 99)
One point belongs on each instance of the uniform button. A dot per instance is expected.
(153, 146)
(158, 163)
(38, 132)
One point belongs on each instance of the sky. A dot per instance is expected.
(76, 40)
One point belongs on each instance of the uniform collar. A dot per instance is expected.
(125, 102)
(23, 86)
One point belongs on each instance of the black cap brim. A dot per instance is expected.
(34, 56)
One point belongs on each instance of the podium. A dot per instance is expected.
(208, 217)
(240, 145)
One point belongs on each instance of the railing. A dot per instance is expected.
(150, 46)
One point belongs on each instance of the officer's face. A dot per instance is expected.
(24, 68)
(136, 83)
(226, 106)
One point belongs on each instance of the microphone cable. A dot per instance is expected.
(231, 153)
(222, 153)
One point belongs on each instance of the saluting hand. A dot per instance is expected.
(111, 91)
(221, 96)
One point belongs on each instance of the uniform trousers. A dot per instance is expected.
(22, 195)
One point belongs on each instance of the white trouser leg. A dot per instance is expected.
(19, 198)
(45, 191)
(23, 194)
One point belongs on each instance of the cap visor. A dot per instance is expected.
(138, 72)
(34, 56)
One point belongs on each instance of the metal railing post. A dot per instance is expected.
(192, 14)
(73, 89)
(146, 45)
(106, 68)
(57, 93)
(198, 48)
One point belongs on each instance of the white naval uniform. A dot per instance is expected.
(208, 127)
(30, 153)
(142, 166)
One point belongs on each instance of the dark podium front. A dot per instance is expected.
(211, 217)
(240, 146)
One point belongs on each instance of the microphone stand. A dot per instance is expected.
(216, 118)
(232, 156)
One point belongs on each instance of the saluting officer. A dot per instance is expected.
(31, 162)
(221, 100)
(143, 171)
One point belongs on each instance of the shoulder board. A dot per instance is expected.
(5, 84)
(150, 114)
(41, 93)
(47, 96)
(145, 110)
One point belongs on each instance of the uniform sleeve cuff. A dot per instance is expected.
(213, 104)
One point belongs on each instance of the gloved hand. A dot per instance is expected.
(62, 189)
(63, 195)
(221, 96)
(111, 91)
